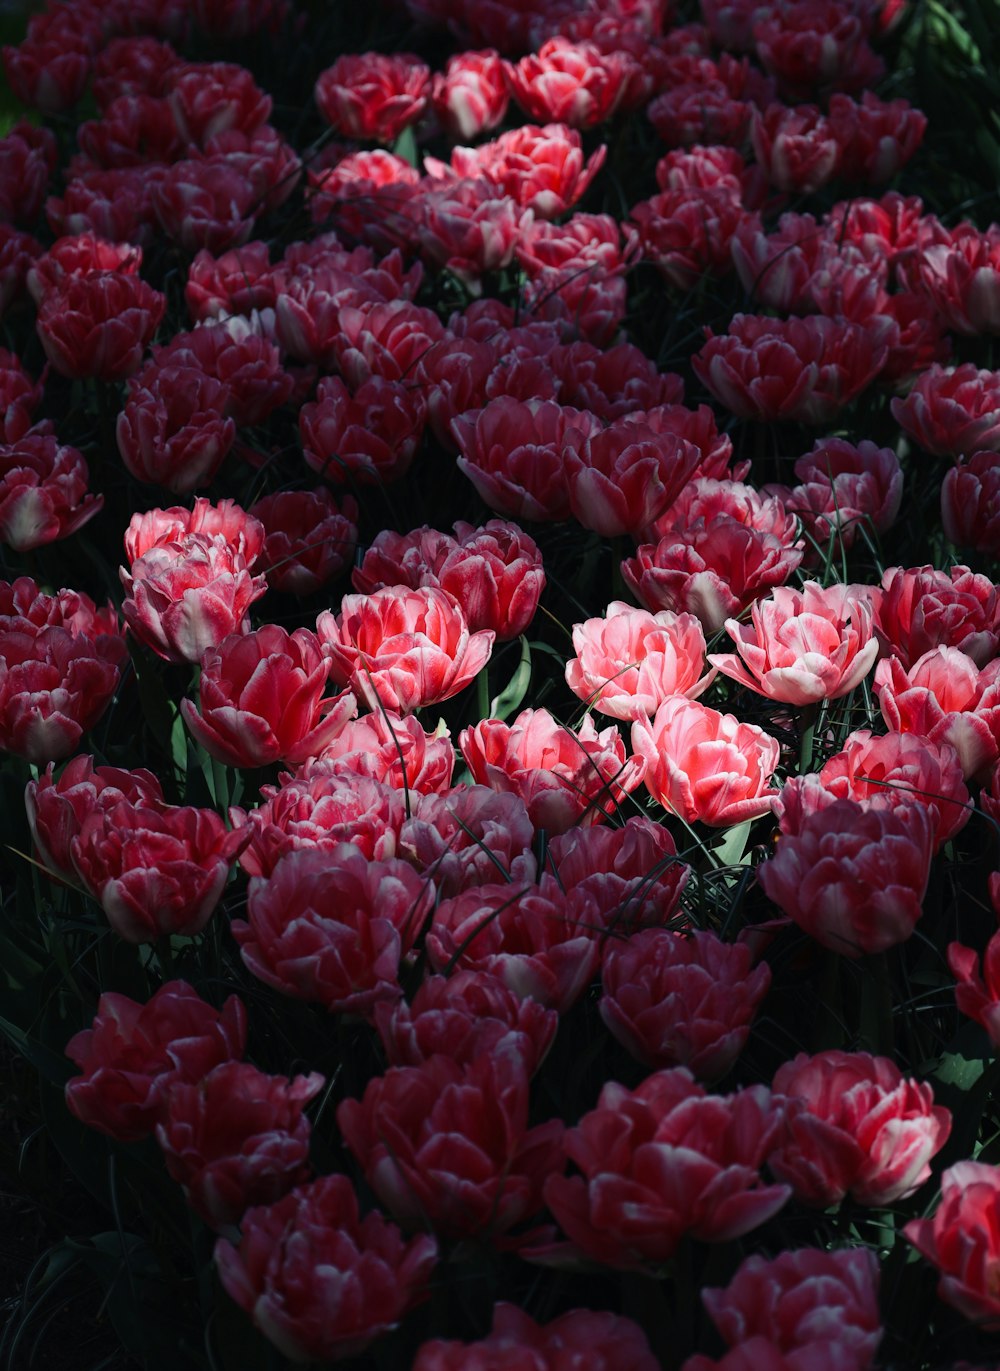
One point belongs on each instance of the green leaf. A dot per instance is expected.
(49, 1064)
(405, 147)
(963, 1072)
(731, 850)
(509, 699)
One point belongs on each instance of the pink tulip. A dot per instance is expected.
(705, 766)
(855, 1125)
(805, 1299)
(563, 777)
(133, 1053)
(261, 699)
(802, 646)
(663, 1161)
(630, 661)
(853, 877)
(945, 697)
(402, 649)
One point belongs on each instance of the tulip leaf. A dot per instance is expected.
(50, 1065)
(509, 699)
(405, 147)
(731, 850)
(963, 1072)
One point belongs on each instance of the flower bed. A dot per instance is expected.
(500, 681)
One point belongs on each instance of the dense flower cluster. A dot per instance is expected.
(542, 692)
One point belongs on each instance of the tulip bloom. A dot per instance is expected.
(946, 698)
(261, 699)
(853, 877)
(896, 768)
(309, 538)
(450, 1145)
(629, 662)
(183, 598)
(536, 939)
(806, 1299)
(859, 1127)
(961, 1241)
(99, 325)
(563, 777)
(465, 1016)
(970, 503)
(60, 663)
(360, 1278)
(57, 809)
(320, 806)
(677, 1000)
(800, 370)
(43, 491)
(663, 1161)
(977, 989)
(706, 766)
(580, 1338)
(157, 871)
(372, 95)
(469, 97)
(237, 1137)
(133, 1053)
(402, 649)
(802, 646)
(332, 927)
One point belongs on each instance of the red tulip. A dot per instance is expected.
(261, 699)
(358, 1281)
(469, 97)
(805, 1299)
(57, 809)
(133, 1053)
(372, 95)
(581, 1336)
(43, 492)
(332, 926)
(860, 1127)
(320, 806)
(676, 1000)
(157, 870)
(563, 777)
(237, 1137)
(450, 1146)
(99, 325)
(663, 1161)
(961, 1241)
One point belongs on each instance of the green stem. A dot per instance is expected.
(483, 692)
(807, 727)
(877, 1034)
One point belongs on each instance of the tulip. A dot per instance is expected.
(563, 777)
(663, 1161)
(860, 1128)
(675, 1000)
(236, 1138)
(450, 1146)
(402, 649)
(853, 877)
(706, 766)
(961, 1241)
(580, 1336)
(802, 646)
(133, 1053)
(261, 699)
(332, 927)
(360, 1279)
